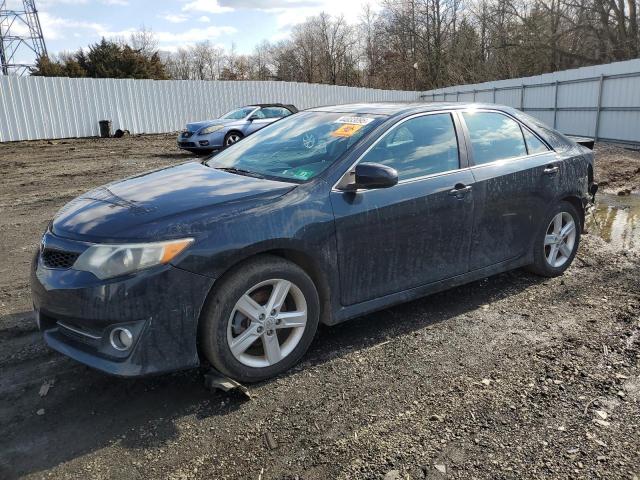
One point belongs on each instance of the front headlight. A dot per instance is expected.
(107, 261)
(211, 129)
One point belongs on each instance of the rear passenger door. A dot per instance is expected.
(416, 232)
(515, 174)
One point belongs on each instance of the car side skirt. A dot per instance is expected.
(359, 309)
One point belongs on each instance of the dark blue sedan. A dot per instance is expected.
(323, 216)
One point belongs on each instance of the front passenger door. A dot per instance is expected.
(416, 232)
(259, 121)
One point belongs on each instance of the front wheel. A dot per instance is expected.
(231, 138)
(556, 245)
(260, 320)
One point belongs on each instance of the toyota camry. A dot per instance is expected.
(323, 216)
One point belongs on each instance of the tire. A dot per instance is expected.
(232, 137)
(543, 259)
(222, 324)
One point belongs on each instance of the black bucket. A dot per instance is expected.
(105, 128)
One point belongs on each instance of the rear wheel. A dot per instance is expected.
(231, 138)
(260, 320)
(556, 245)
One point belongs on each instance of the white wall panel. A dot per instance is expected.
(575, 103)
(619, 125)
(509, 96)
(621, 92)
(41, 108)
(577, 122)
(539, 96)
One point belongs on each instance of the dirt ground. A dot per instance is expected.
(618, 169)
(510, 377)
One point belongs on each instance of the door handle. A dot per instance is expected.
(460, 190)
(551, 170)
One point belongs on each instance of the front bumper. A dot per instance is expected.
(195, 142)
(160, 306)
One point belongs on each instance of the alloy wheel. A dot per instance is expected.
(267, 323)
(560, 239)
(231, 139)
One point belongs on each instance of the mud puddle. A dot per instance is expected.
(616, 219)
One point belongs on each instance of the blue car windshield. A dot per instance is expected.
(238, 114)
(298, 147)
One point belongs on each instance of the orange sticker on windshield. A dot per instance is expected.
(346, 130)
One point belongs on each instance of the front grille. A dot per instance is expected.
(187, 144)
(186, 134)
(58, 259)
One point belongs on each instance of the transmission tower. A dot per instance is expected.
(21, 39)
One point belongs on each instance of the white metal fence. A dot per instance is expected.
(42, 107)
(602, 101)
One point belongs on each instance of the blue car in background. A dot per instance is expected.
(204, 137)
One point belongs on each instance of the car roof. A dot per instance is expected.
(394, 108)
(289, 107)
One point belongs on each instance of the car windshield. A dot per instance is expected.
(298, 147)
(238, 114)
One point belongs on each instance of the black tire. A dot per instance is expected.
(231, 134)
(216, 316)
(541, 265)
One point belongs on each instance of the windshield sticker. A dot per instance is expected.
(354, 120)
(346, 130)
(302, 174)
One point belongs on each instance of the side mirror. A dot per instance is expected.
(253, 117)
(374, 175)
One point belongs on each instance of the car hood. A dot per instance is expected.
(195, 126)
(169, 203)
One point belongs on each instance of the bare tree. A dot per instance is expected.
(421, 44)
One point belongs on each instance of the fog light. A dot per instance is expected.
(204, 143)
(121, 339)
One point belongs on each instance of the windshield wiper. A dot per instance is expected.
(240, 171)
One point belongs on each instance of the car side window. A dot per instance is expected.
(420, 146)
(534, 145)
(401, 135)
(260, 113)
(281, 112)
(276, 112)
(494, 137)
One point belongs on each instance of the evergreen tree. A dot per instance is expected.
(105, 59)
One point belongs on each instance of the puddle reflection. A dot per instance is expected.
(617, 220)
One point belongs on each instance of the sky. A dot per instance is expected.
(71, 24)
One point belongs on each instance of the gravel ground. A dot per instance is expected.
(511, 377)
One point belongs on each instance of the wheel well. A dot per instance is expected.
(577, 203)
(302, 260)
(312, 268)
(234, 131)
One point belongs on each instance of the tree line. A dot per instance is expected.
(406, 44)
